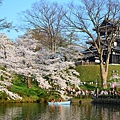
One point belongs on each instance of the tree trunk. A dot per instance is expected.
(104, 74)
(54, 45)
(29, 82)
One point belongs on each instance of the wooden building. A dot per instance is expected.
(106, 28)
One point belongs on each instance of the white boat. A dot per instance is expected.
(60, 103)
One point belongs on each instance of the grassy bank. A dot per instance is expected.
(32, 94)
(91, 73)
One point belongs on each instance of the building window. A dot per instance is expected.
(115, 44)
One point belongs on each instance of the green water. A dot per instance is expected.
(35, 111)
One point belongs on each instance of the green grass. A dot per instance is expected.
(19, 86)
(88, 72)
(23, 90)
(34, 93)
(91, 73)
(88, 87)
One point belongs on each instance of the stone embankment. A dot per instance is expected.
(106, 100)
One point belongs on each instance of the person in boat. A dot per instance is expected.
(53, 100)
(60, 100)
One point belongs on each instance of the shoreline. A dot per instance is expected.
(79, 101)
(106, 100)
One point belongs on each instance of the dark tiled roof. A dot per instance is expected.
(116, 48)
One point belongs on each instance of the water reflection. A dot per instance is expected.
(35, 111)
(107, 112)
(8, 112)
(59, 112)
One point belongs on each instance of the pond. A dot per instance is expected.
(36, 111)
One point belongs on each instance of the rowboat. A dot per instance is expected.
(59, 103)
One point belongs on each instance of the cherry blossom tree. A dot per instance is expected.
(29, 56)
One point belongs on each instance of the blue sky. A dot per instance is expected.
(11, 8)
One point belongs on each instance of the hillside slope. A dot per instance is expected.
(91, 73)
